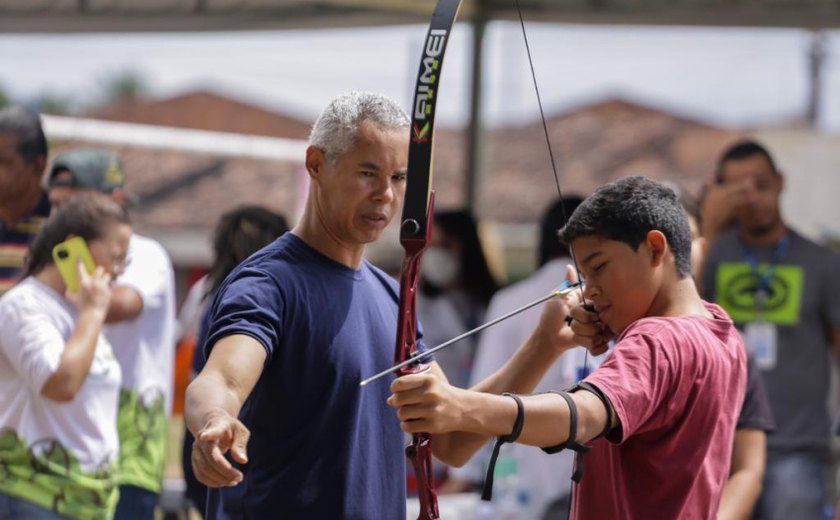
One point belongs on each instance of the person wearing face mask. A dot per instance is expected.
(544, 477)
(455, 287)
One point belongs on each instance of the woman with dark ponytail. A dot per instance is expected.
(59, 380)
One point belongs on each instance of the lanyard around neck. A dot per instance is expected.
(766, 278)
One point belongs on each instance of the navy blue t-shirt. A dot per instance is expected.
(320, 446)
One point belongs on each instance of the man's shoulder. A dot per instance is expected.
(810, 248)
(278, 262)
(286, 253)
(383, 277)
(27, 226)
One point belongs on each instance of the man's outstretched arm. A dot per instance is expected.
(213, 402)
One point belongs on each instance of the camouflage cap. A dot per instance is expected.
(90, 168)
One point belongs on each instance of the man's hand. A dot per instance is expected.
(720, 205)
(221, 433)
(425, 403)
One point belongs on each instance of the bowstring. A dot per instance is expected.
(559, 193)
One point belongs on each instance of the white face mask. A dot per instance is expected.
(439, 267)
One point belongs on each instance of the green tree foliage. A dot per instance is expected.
(122, 86)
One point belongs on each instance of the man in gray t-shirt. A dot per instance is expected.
(783, 292)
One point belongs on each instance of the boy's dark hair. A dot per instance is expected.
(26, 127)
(626, 210)
(743, 150)
(554, 219)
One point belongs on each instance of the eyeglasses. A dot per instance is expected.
(120, 264)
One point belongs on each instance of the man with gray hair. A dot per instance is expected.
(24, 205)
(293, 329)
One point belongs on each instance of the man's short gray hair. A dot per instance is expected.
(336, 129)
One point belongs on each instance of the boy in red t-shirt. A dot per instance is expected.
(666, 400)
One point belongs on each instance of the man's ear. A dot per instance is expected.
(658, 246)
(315, 160)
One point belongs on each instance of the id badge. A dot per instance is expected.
(760, 337)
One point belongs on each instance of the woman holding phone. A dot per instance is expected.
(59, 380)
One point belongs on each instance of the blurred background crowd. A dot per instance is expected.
(192, 182)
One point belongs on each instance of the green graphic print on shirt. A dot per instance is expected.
(47, 474)
(142, 429)
(738, 283)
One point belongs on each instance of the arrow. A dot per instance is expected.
(565, 287)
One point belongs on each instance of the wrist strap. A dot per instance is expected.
(487, 491)
(570, 443)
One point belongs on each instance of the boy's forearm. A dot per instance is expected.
(482, 411)
(520, 375)
(546, 424)
(487, 416)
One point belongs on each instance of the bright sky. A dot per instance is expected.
(731, 77)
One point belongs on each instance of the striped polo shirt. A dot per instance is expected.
(15, 239)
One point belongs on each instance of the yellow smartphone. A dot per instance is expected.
(67, 255)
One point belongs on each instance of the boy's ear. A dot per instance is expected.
(658, 246)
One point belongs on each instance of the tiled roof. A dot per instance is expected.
(188, 191)
(204, 110)
(592, 145)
